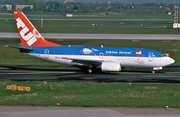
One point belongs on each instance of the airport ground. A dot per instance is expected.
(50, 15)
(96, 27)
(61, 111)
(88, 24)
(100, 36)
(70, 73)
(74, 87)
(168, 75)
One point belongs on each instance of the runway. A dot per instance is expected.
(59, 74)
(100, 36)
(58, 111)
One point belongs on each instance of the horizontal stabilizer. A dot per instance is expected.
(30, 49)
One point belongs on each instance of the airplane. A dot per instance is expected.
(107, 59)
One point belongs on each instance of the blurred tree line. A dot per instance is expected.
(61, 6)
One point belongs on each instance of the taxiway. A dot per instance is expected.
(58, 111)
(68, 73)
(100, 36)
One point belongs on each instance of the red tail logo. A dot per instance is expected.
(28, 34)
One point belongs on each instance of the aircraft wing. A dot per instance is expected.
(85, 61)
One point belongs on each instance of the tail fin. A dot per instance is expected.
(28, 34)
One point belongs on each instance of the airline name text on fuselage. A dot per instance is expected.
(120, 52)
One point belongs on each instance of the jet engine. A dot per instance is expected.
(110, 66)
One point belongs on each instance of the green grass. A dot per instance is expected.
(100, 27)
(11, 56)
(90, 16)
(92, 94)
(103, 27)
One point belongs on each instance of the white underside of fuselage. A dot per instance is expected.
(123, 60)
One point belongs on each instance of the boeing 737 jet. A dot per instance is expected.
(106, 58)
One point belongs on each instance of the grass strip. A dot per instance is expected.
(92, 94)
(96, 27)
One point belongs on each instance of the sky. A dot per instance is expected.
(124, 1)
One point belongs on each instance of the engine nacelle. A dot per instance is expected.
(110, 66)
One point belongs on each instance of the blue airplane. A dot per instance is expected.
(107, 59)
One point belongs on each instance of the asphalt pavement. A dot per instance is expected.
(69, 73)
(58, 111)
(100, 36)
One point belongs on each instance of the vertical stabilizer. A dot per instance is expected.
(29, 36)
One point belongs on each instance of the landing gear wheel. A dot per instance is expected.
(90, 71)
(153, 71)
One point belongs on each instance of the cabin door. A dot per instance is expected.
(46, 53)
(150, 56)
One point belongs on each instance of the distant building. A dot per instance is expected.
(8, 6)
(20, 7)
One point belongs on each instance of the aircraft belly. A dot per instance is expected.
(51, 58)
(125, 61)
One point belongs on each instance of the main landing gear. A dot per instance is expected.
(90, 71)
(93, 69)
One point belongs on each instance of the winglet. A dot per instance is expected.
(29, 36)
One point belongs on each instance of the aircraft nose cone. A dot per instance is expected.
(171, 61)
